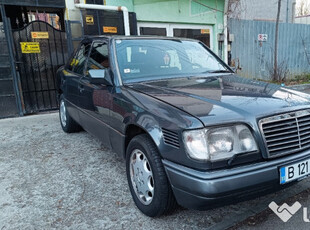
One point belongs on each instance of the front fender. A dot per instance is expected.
(152, 116)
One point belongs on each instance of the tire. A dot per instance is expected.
(157, 197)
(67, 123)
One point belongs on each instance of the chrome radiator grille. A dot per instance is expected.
(286, 133)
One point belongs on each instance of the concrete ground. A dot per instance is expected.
(50, 179)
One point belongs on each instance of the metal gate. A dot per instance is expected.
(39, 51)
(9, 100)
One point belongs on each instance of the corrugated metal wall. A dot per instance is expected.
(256, 58)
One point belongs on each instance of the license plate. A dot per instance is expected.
(294, 171)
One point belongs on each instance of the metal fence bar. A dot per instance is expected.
(39, 71)
(46, 72)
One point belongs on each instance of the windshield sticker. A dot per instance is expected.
(135, 70)
(131, 70)
(118, 41)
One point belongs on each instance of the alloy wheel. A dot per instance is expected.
(62, 110)
(141, 176)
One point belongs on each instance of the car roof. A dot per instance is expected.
(114, 37)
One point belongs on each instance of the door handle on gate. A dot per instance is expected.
(81, 88)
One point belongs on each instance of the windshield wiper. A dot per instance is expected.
(219, 71)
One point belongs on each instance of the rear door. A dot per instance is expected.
(74, 72)
(96, 99)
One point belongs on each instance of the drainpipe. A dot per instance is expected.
(104, 7)
(225, 31)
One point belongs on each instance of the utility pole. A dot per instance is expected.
(275, 66)
(287, 4)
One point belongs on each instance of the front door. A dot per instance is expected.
(96, 99)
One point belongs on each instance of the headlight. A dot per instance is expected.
(219, 143)
(196, 144)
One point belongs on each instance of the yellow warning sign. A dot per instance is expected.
(39, 35)
(89, 19)
(109, 29)
(205, 31)
(30, 47)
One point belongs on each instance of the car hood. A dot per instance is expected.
(224, 98)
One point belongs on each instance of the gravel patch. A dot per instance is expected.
(53, 180)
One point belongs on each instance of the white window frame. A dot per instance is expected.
(187, 26)
(154, 25)
(170, 26)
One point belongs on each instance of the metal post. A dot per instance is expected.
(16, 82)
(69, 37)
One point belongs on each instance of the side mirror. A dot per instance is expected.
(100, 76)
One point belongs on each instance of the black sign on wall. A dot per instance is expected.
(99, 2)
(104, 22)
(38, 3)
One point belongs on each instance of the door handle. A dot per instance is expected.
(81, 88)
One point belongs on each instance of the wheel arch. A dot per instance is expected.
(133, 130)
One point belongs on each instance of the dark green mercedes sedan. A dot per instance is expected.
(192, 132)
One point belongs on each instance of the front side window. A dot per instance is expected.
(147, 59)
(98, 57)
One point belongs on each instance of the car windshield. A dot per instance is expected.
(151, 59)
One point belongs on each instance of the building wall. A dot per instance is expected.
(265, 10)
(180, 11)
(72, 13)
(128, 3)
(206, 12)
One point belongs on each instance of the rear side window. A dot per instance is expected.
(78, 61)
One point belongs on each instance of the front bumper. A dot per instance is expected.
(201, 190)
